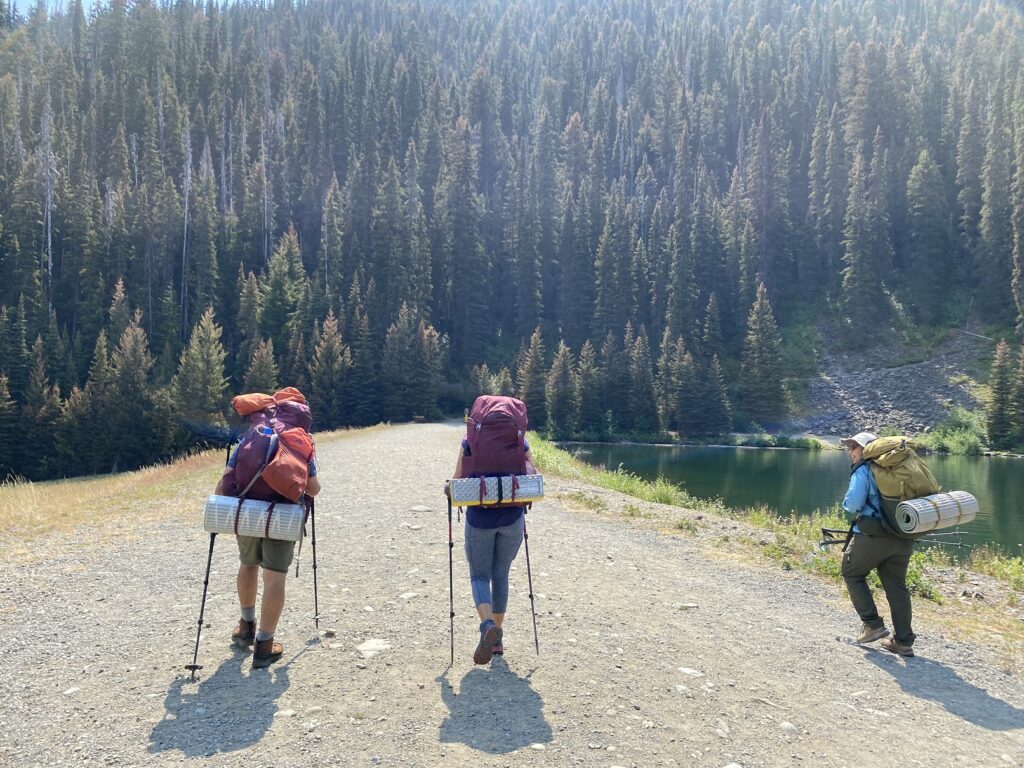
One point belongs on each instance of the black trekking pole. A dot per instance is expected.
(451, 581)
(529, 577)
(316, 598)
(193, 667)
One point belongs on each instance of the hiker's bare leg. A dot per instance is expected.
(273, 600)
(247, 581)
(498, 618)
(484, 611)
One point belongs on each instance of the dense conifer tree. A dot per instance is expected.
(643, 403)
(261, 375)
(1017, 220)
(762, 368)
(995, 229)
(431, 351)
(561, 394)
(718, 410)
(1017, 401)
(929, 239)
(328, 375)
(399, 377)
(502, 383)
(481, 380)
(689, 418)
(591, 421)
(999, 421)
(199, 385)
(362, 393)
(141, 427)
(665, 384)
(8, 420)
(531, 380)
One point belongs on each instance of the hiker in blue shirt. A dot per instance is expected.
(872, 548)
(862, 498)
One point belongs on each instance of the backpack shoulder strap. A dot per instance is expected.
(271, 447)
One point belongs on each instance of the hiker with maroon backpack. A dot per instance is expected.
(274, 461)
(495, 445)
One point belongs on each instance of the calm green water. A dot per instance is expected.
(802, 481)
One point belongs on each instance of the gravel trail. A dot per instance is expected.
(656, 649)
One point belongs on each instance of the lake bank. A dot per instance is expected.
(802, 482)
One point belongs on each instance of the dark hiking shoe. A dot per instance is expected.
(869, 634)
(265, 653)
(498, 649)
(892, 645)
(489, 635)
(245, 634)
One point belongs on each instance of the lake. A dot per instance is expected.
(802, 481)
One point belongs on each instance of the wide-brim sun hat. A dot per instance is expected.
(861, 438)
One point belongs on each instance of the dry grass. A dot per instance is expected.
(94, 508)
(30, 510)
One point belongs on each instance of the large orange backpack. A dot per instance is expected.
(273, 456)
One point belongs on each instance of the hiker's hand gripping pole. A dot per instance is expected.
(529, 577)
(193, 667)
(451, 583)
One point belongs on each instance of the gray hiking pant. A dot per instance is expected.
(490, 552)
(890, 556)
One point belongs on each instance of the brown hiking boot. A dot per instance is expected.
(265, 653)
(892, 645)
(869, 634)
(244, 635)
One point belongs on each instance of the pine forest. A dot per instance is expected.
(618, 210)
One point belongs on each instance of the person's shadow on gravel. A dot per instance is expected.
(929, 679)
(495, 711)
(227, 711)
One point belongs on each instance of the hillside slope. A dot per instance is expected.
(891, 386)
(654, 649)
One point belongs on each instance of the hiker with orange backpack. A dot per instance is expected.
(275, 460)
(495, 445)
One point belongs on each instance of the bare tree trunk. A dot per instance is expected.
(186, 183)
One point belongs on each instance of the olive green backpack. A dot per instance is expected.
(900, 474)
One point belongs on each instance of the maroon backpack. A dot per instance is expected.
(259, 443)
(496, 432)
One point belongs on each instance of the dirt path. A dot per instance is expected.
(653, 651)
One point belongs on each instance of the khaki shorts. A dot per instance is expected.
(272, 554)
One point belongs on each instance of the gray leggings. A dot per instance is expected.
(490, 552)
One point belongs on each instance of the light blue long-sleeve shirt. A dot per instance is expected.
(862, 497)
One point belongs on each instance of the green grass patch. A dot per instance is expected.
(686, 525)
(962, 432)
(633, 511)
(558, 462)
(765, 440)
(586, 500)
(999, 565)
